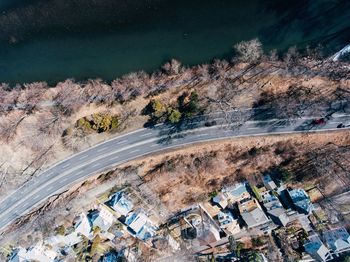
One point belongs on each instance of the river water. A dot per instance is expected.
(51, 40)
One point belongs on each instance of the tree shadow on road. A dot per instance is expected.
(168, 132)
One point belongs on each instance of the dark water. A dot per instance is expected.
(52, 40)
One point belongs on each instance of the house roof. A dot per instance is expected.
(254, 217)
(140, 224)
(267, 181)
(121, 203)
(67, 240)
(136, 221)
(337, 239)
(220, 199)
(38, 253)
(316, 248)
(300, 199)
(225, 218)
(84, 226)
(102, 218)
(237, 190)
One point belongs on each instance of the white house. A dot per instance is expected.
(140, 224)
(62, 241)
(102, 218)
(39, 253)
(121, 203)
(84, 226)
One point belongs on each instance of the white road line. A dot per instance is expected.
(202, 135)
(80, 172)
(116, 157)
(66, 165)
(102, 149)
(97, 164)
(49, 174)
(36, 197)
(253, 127)
(83, 157)
(49, 188)
(134, 151)
(121, 142)
(148, 134)
(65, 179)
(154, 145)
(22, 206)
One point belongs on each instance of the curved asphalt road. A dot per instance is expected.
(133, 145)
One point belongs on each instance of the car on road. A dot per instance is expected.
(341, 125)
(319, 121)
(210, 123)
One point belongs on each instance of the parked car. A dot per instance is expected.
(341, 125)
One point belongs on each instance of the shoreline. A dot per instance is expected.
(334, 57)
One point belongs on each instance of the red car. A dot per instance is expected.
(319, 121)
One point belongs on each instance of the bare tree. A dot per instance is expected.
(10, 123)
(249, 51)
(173, 67)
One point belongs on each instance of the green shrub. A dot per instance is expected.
(61, 230)
(84, 124)
(99, 122)
(174, 116)
(155, 108)
(256, 193)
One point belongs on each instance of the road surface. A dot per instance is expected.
(124, 148)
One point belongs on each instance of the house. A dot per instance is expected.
(268, 182)
(221, 200)
(212, 209)
(338, 240)
(252, 213)
(84, 227)
(62, 241)
(140, 225)
(39, 253)
(301, 200)
(279, 216)
(201, 227)
(227, 221)
(316, 249)
(101, 218)
(236, 192)
(275, 209)
(121, 203)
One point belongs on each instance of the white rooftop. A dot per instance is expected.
(38, 253)
(121, 203)
(83, 227)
